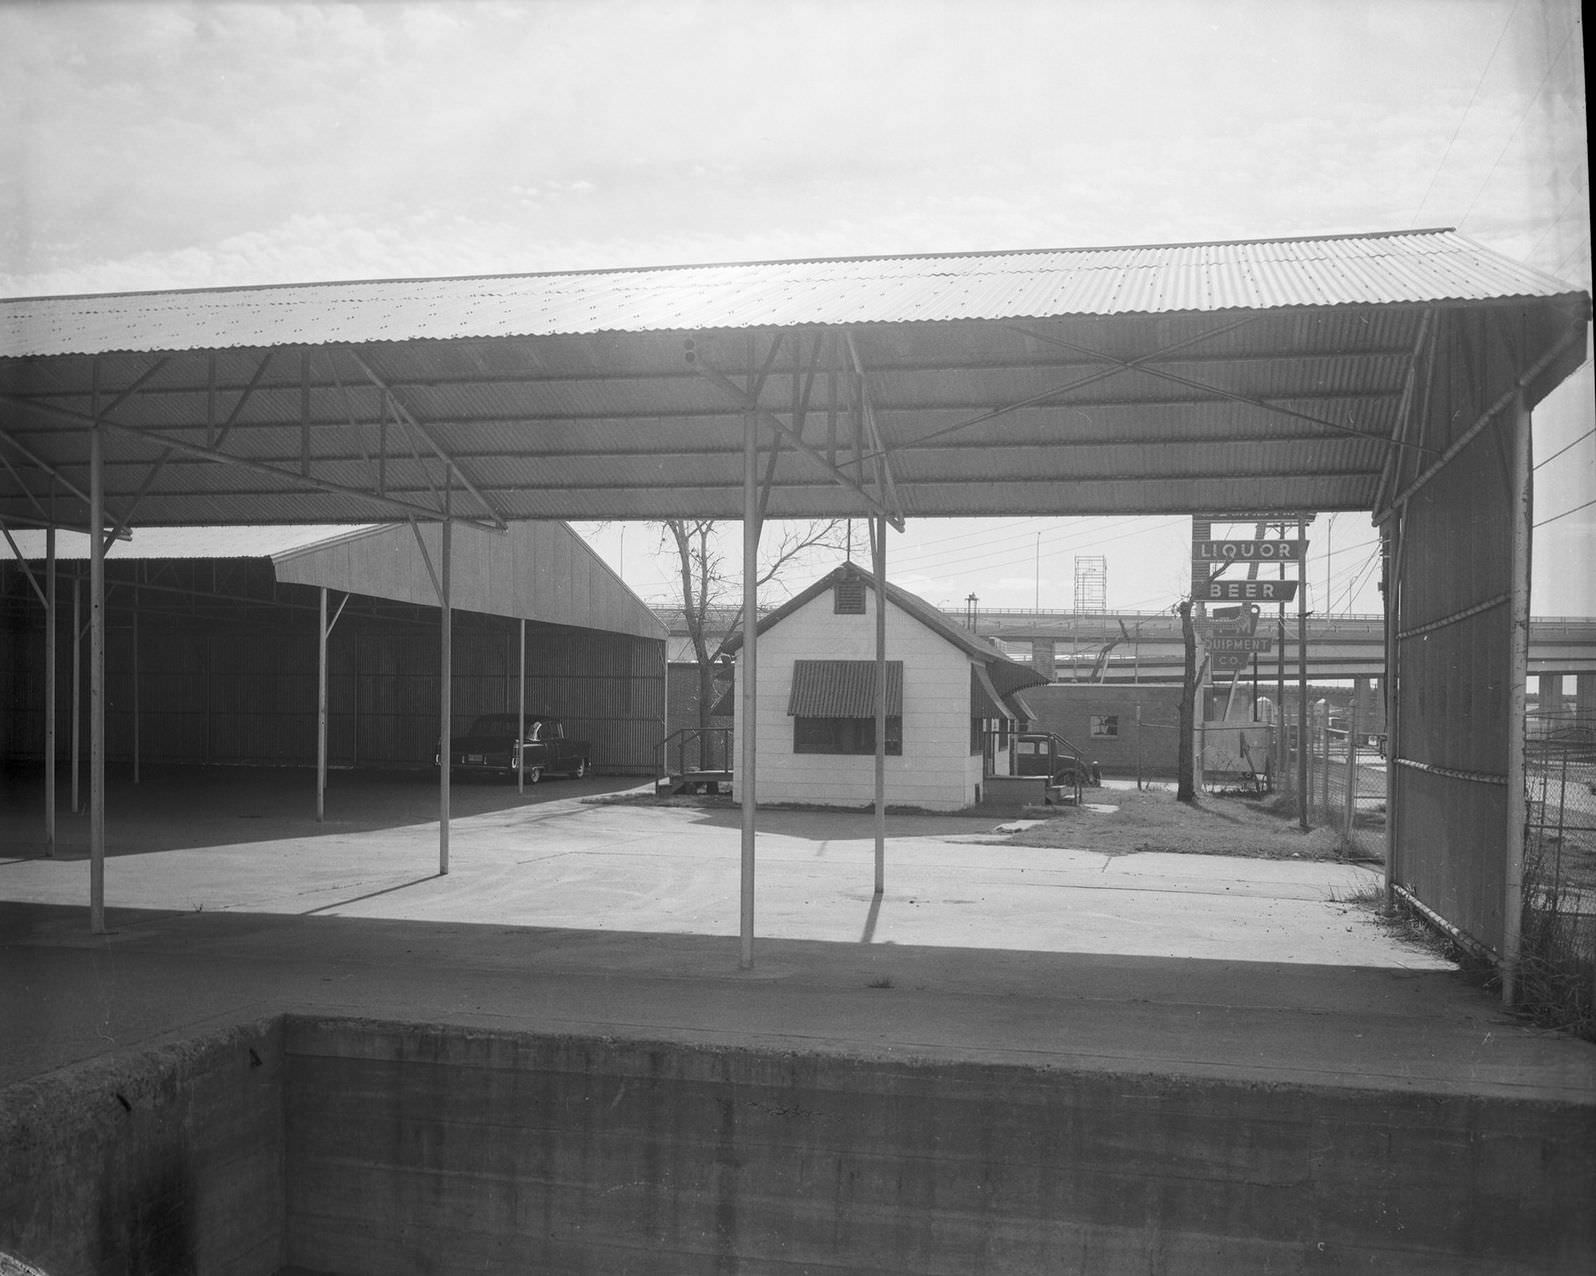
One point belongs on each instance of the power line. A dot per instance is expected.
(1566, 446)
(1524, 115)
(1566, 513)
(1446, 154)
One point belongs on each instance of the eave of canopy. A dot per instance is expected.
(1259, 376)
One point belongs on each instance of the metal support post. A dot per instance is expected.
(49, 691)
(1522, 515)
(137, 777)
(445, 690)
(1302, 687)
(77, 690)
(878, 546)
(520, 714)
(750, 704)
(321, 706)
(96, 682)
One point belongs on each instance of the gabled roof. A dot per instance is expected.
(1007, 675)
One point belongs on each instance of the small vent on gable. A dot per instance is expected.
(848, 597)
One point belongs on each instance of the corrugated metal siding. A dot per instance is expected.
(1450, 769)
(211, 692)
(1415, 266)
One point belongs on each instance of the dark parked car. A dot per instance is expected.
(491, 747)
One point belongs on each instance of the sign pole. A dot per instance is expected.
(1302, 696)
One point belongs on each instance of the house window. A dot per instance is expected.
(845, 735)
(848, 598)
(1105, 725)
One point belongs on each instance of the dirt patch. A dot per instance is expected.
(1152, 820)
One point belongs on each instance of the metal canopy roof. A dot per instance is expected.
(1254, 376)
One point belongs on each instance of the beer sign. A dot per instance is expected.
(1263, 591)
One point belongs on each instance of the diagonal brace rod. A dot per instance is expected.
(769, 418)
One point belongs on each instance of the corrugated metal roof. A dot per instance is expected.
(842, 689)
(540, 571)
(189, 542)
(1384, 268)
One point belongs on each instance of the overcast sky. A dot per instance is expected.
(147, 146)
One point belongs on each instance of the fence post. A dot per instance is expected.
(1352, 769)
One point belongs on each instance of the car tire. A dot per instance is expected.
(581, 770)
(534, 774)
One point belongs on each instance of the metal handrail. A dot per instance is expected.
(681, 737)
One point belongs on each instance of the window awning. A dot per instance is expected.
(985, 703)
(842, 689)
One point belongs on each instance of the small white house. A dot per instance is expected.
(952, 700)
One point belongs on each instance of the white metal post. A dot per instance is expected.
(878, 547)
(321, 706)
(520, 715)
(446, 693)
(1303, 742)
(77, 690)
(137, 777)
(746, 786)
(96, 682)
(49, 691)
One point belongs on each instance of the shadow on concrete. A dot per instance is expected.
(75, 995)
(818, 824)
(175, 808)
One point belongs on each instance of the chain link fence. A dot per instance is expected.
(1560, 773)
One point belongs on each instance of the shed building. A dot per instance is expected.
(949, 696)
(212, 654)
(1126, 730)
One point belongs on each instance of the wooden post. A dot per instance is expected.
(1351, 807)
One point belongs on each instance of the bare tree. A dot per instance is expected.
(710, 584)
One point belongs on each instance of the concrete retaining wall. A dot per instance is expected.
(419, 1149)
(340, 1146)
(166, 1163)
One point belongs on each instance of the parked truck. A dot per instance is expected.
(495, 745)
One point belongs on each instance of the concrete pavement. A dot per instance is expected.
(624, 919)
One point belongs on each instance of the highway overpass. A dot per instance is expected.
(1147, 646)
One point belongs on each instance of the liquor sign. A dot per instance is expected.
(1250, 551)
(1263, 591)
(1234, 643)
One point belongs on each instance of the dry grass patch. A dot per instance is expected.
(1152, 820)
